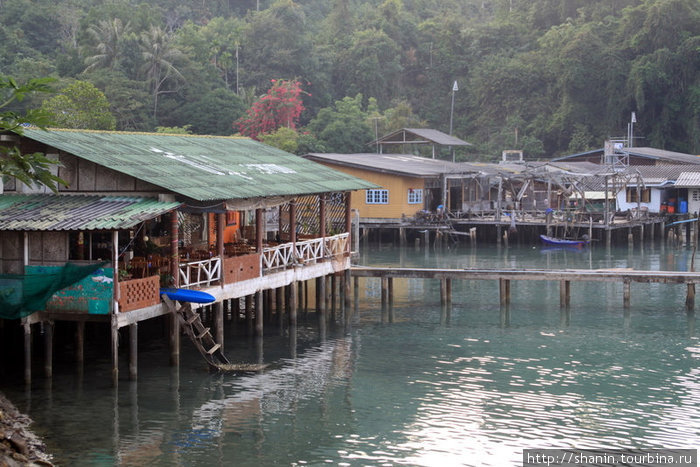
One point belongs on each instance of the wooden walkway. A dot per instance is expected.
(504, 276)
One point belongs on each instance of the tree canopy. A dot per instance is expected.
(559, 74)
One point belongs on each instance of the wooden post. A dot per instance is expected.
(115, 350)
(219, 323)
(174, 249)
(356, 295)
(626, 292)
(293, 221)
(390, 292)
(348, 218)
(347, 304)
(48, 348)
(174, 339)
(321, 306)
(385, 293)
(334, 300)
(690, 297)
(448, 298)
(443, 292)
(630, 238)
(80, 343)
(280, 308)
(504, 287)
(27, 353)
(293, 303)
(322, 215)
(133, 351)
(259, 229)
(249, 314)
(564, 293)
(259, 312)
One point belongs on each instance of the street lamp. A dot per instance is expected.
(452, 111)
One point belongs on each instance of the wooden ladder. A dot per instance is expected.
(198, 333)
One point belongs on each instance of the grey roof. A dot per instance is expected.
(77, 212)
(400, 164)
(688, 180)
(202, 168)
(420, 136)
(663, 155)
(669, 157)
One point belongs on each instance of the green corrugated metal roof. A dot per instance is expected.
(68, 212)
(202, 167)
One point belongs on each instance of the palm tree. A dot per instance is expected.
(107, 36)
(158, 55)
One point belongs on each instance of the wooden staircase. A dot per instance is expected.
(198, 333)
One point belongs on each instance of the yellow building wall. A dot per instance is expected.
(398, 187)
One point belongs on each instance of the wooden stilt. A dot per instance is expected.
(390, 292)
(219, 324)
(27, 353)
(259, 313)
(385, 293)
(448, 299)
(174, 339)
(280, 305)
(443, 292)
(249, 315)
(334, 297)
(347, 303)
(321, 306)
(48, 348)
(80, 343)
(356, 295)
(293, 303)
(564, 293)
(690, 297)
(115, 350)
(626, 292)
(133, 351)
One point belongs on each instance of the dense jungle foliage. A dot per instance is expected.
(546, 76)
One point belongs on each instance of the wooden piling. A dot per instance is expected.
(390, 292)
(690, 297)
(443, 292)
(248, 304)
(80, 343)
(356, 295)
(347, 303)
(626, 292)
(385, 293)
(115, 350)
(27, 353)
(564, 293)
(174, 340)
(279, 300)
(219, 324)
(448, 299)
(133, 351)
(504, 291)
(48, 348)
(293, 302)
(259, 313)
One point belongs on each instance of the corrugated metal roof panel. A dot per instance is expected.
(405, 164)
(65, 212)
(202, 167)
(428, 134)
(688, 180)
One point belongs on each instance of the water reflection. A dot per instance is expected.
(472, 384)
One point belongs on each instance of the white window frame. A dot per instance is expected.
(415, 196)
(378, 196)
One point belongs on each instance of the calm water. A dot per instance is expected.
(472, 391)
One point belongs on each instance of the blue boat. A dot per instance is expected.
(187, 295)
(563, 242)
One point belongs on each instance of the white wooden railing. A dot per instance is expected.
(307, 251)
(202, 272)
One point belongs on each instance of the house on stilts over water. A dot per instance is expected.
(229, 217)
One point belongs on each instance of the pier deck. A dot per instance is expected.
(564, 276)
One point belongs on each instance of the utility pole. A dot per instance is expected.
(452, 111)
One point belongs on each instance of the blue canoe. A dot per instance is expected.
(186, 295)
(562, 241)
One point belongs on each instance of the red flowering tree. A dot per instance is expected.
(280, 107)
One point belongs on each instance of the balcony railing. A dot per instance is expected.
(199, 273)
(304, 252)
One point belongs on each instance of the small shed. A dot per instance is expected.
(418, 136)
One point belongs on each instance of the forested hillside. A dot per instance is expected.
(546, 76)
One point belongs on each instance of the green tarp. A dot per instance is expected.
(24, 294)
